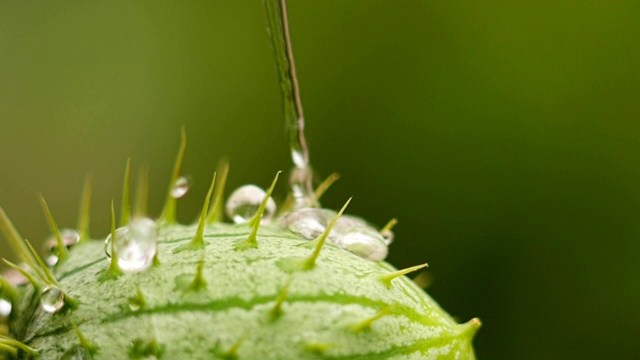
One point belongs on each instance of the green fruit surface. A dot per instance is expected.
(327, 312)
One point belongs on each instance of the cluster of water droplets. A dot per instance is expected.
(350, 232)
(135, 245)
(69, 239)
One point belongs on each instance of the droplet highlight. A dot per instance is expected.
(365, 242)
(244, 203)
(351, 233)
(5, 308)
(136, 244)
(52, 299)
(309, 223)
(181, 187)
(120, 233)
(69, 239)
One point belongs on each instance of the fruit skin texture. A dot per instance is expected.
(252, 303)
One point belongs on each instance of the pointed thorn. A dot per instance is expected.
(388, 278)
(198, 240)
(276, 310)
(13, 352)
(34, 282)
(215, 213)
(472, 326)
(85, 209)
(326, 184)
(198, 282)
(7, 342)
(366, 324)
(114, 268)
(142, 193)
(15, 239)
(63, 252)
(48, 278)
(252, 240)
(389, 226)
(310, 262)
(137, 301)
(125, 210)
(91, 348)
(169, 213)
(231, 353)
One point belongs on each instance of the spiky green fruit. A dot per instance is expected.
(243, 304)
(221, 291)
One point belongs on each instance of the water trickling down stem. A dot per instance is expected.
(301, 174)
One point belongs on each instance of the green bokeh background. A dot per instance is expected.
(503, 135)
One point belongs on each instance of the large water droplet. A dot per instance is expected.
(69, 239)
(308, 222)
(244, 202)
(135, 245)
(5, 308)
(52, 299)
(365, 242)
(181, 187)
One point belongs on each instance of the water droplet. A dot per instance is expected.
(134, 304)
(181, 187)
(300, 181)
(52, 299)
(365, 242)
(5, 308)
(69, 239)
(244, 202)
(308, 222)
(120, 233)
(136, 244)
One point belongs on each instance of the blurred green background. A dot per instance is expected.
(503, 135)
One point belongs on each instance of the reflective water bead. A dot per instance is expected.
(308, 222)
(69, 239)
(136, 249)
(345, 224)
(5, 308)
(301, 188)
(52, 299)
(244, 202)
(181, 187)
(120, 233)
(364, 242)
